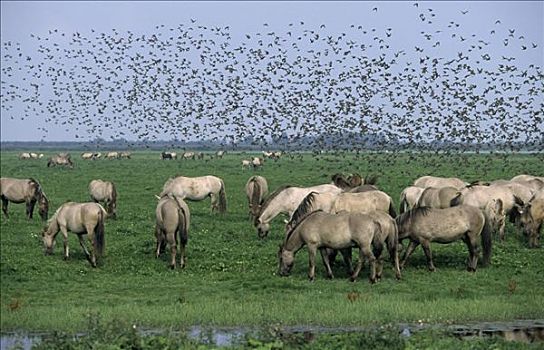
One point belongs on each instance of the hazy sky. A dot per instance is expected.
(20, 19)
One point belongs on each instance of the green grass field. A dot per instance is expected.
(231, 277)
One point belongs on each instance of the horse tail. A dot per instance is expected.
(392, 211)
(393, 247)
(486, 240)
(113, 200)
(182, 226)
(256, 196)
(222, 198)
(99, 241)
(403, 206)
(456, 200)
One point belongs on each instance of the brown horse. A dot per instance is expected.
(104, 192)
(256, 191)
(197, 189)
(532, 217)
(79, 218)
(28, 191)
(424, 225)
(60, 159)
(434, 181)
(319, 230)
(409, 198)
(173, 220)
(435, 197)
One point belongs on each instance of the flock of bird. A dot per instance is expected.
(200, 82)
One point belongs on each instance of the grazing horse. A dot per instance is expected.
(433, 181)
(220, 154)
(256, 190)
(481, 196)
(424, 225)
(79, 218)
(189, 155)
(169, 155)
(285, 200)
(112, 155)
(435, 197)
(320, 230)
(257, 162)
(27, 191)
(125, 155)
(104, 191)
(532, 217)
(172, 221)
(60, 159)
(87, 155)
(197, 189)
(246, 164)
(24, 155)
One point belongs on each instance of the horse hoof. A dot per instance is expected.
(372, 280)
(353, 279)
(432, 269)
(172, 267)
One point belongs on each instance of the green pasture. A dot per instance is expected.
(231, 276)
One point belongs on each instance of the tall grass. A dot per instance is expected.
(230, 278)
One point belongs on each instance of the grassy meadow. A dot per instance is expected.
(231, 275)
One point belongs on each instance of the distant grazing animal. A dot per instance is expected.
(90, 155)
(24, 156)
(197, 189)
(532, 217)
(246, 164)
(200, 155)
(125, 155)
(28, 191)
(285, 199)
(79, 218)
(320, 230)
(172, 225)
(97, 155)
(409, 198)
(112, 155)
(34, 155)
(257, 162)
(435, 197)
(256, 191)
(60, 159)
(189, 155)
(424, 225)
(220, 154)
(433, 181)
(169, 155)
(104, 192)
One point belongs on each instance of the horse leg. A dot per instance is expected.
(213, 199)
(501, 230)
(82, 244)
(64, 231)
(5, 203)
(30, 208)
(159, 241)
(170, 237)
(90, 237)
(427, 249)
(378, 250)
(346, 254)
(326, 262)
(312, 250)
(411, 247)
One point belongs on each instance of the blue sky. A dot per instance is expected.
(20, 19)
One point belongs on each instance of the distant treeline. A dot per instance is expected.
(331, 142)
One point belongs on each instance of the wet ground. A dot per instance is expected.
(526, 331)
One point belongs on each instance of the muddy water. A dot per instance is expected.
(526, 331)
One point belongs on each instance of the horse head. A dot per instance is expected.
(286, 261)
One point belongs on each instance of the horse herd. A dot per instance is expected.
(351, 212)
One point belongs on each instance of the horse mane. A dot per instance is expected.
(412, 214)
(339, 181)
(303, 209)
(297, 224)
(271, 197)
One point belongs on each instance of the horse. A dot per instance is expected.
(437, 197)
(532, 217)
(433, 181)
(285, 200)
(200, 155)
(169, 155)
(79, 218)
(409, 198)
(256, 190)
(125, 155)
(220, 154)
(355, 183)
(24, 155)
(246, 164)
(319, 230)
(525, 177)
(189, 155)
(87, 155)
(197, 189)
(172, 221)
(112, 155)
(480, 196)
(60, 159)
(424, 225)
(257, 162)
(104, 191)
(27, 191)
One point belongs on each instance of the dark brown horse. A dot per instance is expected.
(28, 191)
